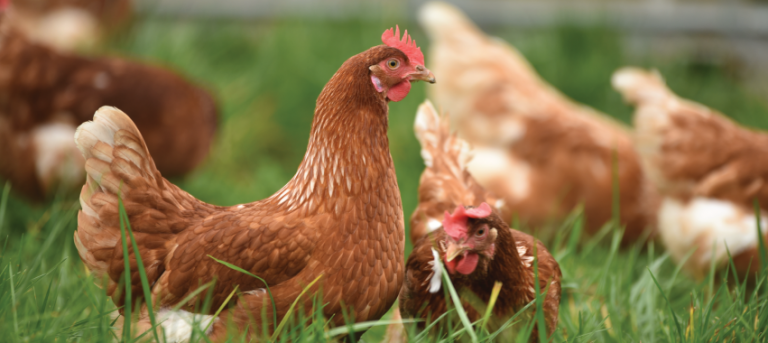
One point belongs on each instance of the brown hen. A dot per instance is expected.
(478, 248)
(45, 94)
(340, 217)
(708, 169)
(539, 151)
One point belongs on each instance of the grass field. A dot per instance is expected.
(267, 76)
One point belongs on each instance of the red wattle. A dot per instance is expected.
(399, 91)
(468, 264)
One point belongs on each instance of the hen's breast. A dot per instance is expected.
(363, 257)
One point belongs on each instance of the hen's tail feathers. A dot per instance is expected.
(434, 133)
(446, 182)
(118, 164)
(640, 86)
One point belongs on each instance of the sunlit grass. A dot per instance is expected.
(267, 76)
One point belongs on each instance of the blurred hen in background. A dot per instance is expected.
(540, 152)
(708, 169)
(45, 94)
(69, 24)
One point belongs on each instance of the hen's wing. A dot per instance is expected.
(445, 183)
(174, 231)
(416, 300)
(538, 150)
(707, 167)
(549, 274)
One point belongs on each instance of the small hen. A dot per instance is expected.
(709, 170)
(339, 218)
(45, 95)
(539, 151)
(445, 181)
(475, 244)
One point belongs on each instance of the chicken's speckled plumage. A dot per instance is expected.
(340, 216)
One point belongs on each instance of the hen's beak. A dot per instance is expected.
(454, 250)
(423, 74)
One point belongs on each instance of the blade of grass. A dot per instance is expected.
(423, 334)
(341, 330)
(140, 264)
(674, 316)
(192, 295)
(179, 305)
(221, 308)
(127, 318)
(616, 213)
(290, 309)
(459, 308)
(491, 303)
(348, 321)
(13, 301)
(44, 304)
(578, 225)
(539, 302)
(4, 203)
(274, 307)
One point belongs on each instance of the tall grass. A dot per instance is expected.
(267, 76)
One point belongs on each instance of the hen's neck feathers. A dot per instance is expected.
(348, 149)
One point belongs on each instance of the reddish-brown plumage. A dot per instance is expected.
(42, 88)
(539, 151)
(709, 171)
(339, 217)
(445, 181)
(505, 255)
(512, 265)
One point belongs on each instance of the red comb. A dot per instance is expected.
(408, 46)
(455, 225)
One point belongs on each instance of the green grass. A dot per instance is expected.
(267, 76)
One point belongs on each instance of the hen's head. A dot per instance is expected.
(397, 64)
(471, 236)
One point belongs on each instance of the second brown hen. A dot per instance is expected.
(45, 94)
(542, 153)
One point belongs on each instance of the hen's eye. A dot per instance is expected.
(480, 232)
(393, 64)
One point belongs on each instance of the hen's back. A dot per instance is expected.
(541, 152)
(708, 169)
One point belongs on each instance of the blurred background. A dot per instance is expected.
(265, 63)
